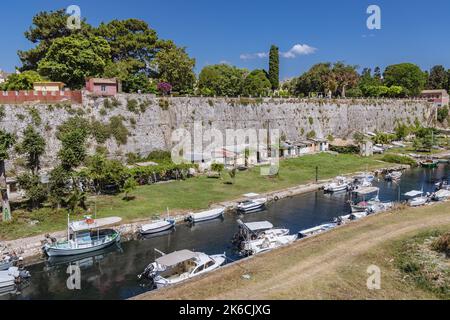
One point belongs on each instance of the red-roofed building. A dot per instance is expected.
(103, 87)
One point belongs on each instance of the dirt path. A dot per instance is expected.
(299, 271)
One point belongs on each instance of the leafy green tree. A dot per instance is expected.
(131, 40)
(129, 186)
(138, 82)
(222, 80)
(377, 75)
(46, 27)
(402, 131)
(75, 199)
(35, 191)
(73, 150)
(256, 84)
(274, 67)
(103, 172)
(7, 140)
(438, 78)
(442, 114)
(318, 79)
(345, 77)
(359, 137)
(59, 186)
(21, 81)
(33, 146)
(406, 75)
(73, 59)
(173, 65)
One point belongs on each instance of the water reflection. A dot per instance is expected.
(112, 274)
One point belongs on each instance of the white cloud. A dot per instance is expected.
(298, 50)
(295, 51)
(259, 55)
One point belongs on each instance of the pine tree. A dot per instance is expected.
(274, 67)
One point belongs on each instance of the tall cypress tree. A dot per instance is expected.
(274, 67)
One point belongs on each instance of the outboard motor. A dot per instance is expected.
(149, 272)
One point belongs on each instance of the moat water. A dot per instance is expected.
(112, 274)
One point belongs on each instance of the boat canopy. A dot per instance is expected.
(175, 258)
(413, 193)
(78, 226)
(257, 226)
(366, 191)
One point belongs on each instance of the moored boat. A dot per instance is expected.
(317, 230)
(267, 242)
(206, 215)
(8, 262)
(181, 265)
(252, 204)
(157, 227)
(85, 236)
(417, 198)
(340, 184)
(429, 163)
(393, 176)
(12, 276)
(441, 195)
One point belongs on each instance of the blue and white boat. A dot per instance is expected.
(85, 236)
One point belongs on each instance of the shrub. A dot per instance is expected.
(100, 131)
(352, 149)
(164, 104)
(118, 130)
(132, 105)
(2, 112)
(442, 244)
(393, 158)
(311, 135)
(442, 114)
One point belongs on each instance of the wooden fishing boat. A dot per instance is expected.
(85, 236)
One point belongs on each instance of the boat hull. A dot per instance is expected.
(150, 231)
(6, 265)
(251, 209)
(195, 218)
(52, 251)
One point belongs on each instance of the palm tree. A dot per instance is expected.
(6, 142)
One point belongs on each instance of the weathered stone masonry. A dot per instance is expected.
(152, 129)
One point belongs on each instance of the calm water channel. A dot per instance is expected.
(112, 274)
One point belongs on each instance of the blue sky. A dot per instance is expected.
(219, 31)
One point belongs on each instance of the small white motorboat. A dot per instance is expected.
(417, 198)
(157, 227)
(340, 184)
(85, 236)
(12, 276)
(206, 215)
(252, 204)
(267, 242)
(182, 265)
(256, 230)
(393, 176)
(8, 262)
(441, 195)
(317, 230)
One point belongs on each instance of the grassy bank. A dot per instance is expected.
(330, 266)
(193, 194)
